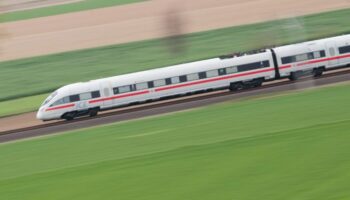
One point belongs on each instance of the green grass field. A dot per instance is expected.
(22, 105)
(292, 146)
(40, 75)
(61, 9)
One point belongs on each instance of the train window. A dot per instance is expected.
(48, 99)
(301, 57)
(168, 81)
(266, 63)
(345, 49)
(317, 54)
(202, 75)
(66, 100)
(249, 67)
(231, 70)
(288, 59)
(58, 102)
(222, 71)
(159, 83)
(133, 87)
(74, 98)
(115, 91)
(212, 73)
(85, 96)
(141, 86)
(150, 84)
(61, 101)
(310, 56)
(183, 78)
(124, 89)
(175, 80)
(192, 77)
(95, 94)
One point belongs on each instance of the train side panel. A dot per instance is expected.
(326, 53)
(193, 81)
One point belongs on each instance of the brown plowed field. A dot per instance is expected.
(141, 21)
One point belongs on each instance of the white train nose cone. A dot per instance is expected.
(39, 115)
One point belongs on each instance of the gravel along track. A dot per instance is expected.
(172, 106)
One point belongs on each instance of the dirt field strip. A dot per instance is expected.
(146, 20)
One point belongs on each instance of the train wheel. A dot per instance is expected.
(236, 86)
(69, 116)
(93, 112)
(317, 72)
(294, 76)
(257, 83)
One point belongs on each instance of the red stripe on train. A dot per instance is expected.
(61, 107)
(285, 67)
(324, 60)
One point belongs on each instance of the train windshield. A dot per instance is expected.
(48, 99)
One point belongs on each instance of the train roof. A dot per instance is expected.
(181, 69)
(318, 42)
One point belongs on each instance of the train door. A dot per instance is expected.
(106, 91)
(332, 52)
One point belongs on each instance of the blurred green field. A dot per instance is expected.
(61, 9)
(27, 77)
(22, 105)
(291, 146)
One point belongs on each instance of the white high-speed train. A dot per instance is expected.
(236, 72)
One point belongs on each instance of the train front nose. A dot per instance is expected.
(40, 114)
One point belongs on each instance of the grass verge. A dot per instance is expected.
(61, 9)
(296, 144)
(22, 105)
(41, 75)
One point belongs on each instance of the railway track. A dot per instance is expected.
(162, 107)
